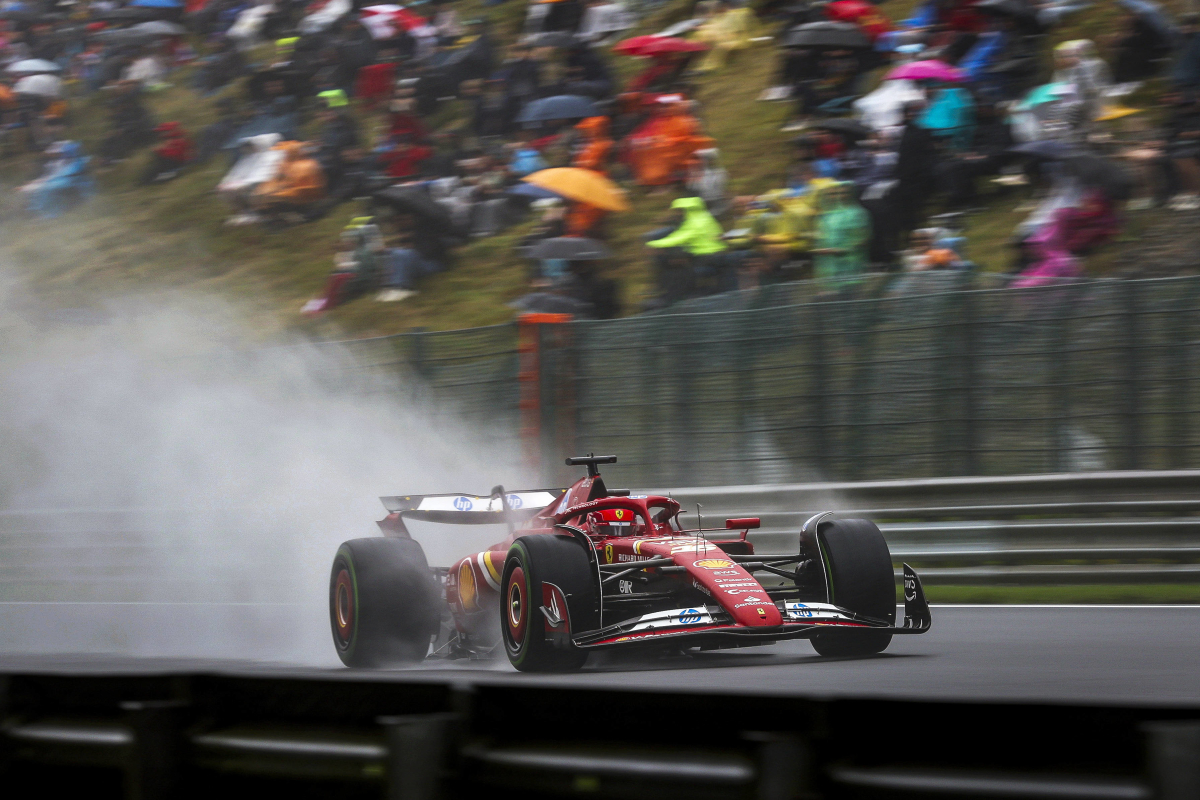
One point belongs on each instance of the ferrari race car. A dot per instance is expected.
(590, 568)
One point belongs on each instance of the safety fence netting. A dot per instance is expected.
(913, 376)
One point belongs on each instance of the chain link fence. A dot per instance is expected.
(916, 376)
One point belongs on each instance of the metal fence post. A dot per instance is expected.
(421, 751)
(1173, 759)
(154, 758)
(1179, 379)
(1133, 405)
(1060, 373)
(969, 375)
(817, 386)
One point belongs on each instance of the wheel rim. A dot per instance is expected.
(343, 607)
(516, 608)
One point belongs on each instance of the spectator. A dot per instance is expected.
(298, 184)
(695, 243)
(707, 180)
(1138, 48)
(400, 158)
(63, 177)
(1183, 149)
(661, 150)
(916, 156)
(131, 126)
(843, 231)
(1185, 73)
(258, 162)
(171, 156)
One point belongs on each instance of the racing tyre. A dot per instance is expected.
(383, 602)
(532, 562)
(861, 580)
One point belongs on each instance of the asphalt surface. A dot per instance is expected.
(1109, 654)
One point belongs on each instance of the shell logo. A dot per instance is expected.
(467, 592)
(713, 563)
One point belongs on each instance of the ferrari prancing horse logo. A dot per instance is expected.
(608, 554)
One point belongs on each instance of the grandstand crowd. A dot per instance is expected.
(897, 131)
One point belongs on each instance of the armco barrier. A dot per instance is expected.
(1124, 527)
(153, 736)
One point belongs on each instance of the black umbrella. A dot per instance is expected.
(563, 106)
(851, 127)
(834, 35)
(550, 39)
(548, 303)
(1050, 149)
(131, 14)
(1018, 10)
(570, 249)
(1101, 173)
(123, 36)
(410, 200)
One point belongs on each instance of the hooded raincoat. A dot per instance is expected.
(844, 226)
(698, 234)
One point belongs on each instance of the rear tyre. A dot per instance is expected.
(532, 561)
(383, 602)
(861, 580)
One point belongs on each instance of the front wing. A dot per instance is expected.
(711, 626)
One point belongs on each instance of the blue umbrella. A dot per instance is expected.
(157, 4)
(532, 192)
(563, 106)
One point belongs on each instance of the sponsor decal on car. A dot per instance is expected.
(624, 587)
(813, 611)
(697, 584)
(608, 553)
(463, 503)
(514, 500)
(623, 557)
(733, 584)
(727, 572)
(714, 563)
(751, 601)
(670, 619)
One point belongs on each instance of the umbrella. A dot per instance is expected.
(156, 4)
(563, 106)
(836, 35)
(31, 66)
(128, 13)
(1109, 113)
(850, 127)
(646, 46)
(160, 27)
(570, 249)
(849, 10)
(1050, 149)
(932, 70)
(1018, 10)
(532, 192)
(1101, 173)
(549, 303)
(415, 201)
(123, 36)
(582, 185)
(1152, 13)
(383, 20)
(550, 39)
(41, 85)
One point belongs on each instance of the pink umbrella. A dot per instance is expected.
(932, 70)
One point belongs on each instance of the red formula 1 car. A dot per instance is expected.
(589, 568)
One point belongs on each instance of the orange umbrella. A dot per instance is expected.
(582, 185)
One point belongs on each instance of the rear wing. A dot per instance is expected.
(465, 509)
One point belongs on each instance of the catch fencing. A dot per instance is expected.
(915, 376)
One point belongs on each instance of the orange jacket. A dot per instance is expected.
(300, 179)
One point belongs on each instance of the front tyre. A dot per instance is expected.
(533, 564)
(383, 602)
(859, 568)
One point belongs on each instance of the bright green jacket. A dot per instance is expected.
(699, 234)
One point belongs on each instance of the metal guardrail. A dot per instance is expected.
(1124, 527)
(201, 735)
(1105, 527)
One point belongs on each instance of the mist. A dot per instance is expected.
(171, 488)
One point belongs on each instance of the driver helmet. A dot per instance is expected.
(616, 522)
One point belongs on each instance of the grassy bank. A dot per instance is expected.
(132, 239)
